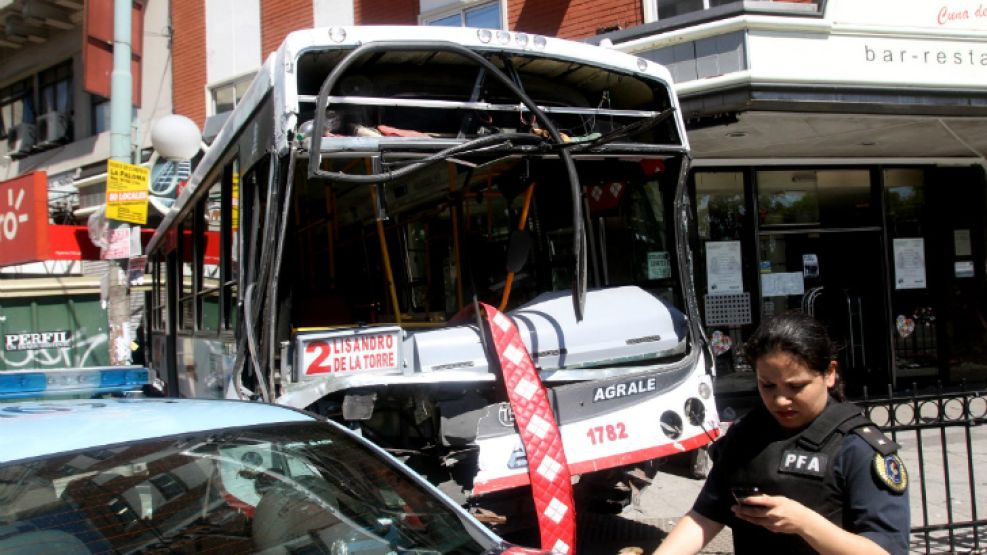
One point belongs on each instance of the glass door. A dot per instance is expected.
(821, 251)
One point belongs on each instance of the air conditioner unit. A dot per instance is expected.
(52, 128)
(20, 139)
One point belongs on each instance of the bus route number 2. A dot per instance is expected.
(608, 433)
(352, 353)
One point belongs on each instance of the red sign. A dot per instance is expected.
(24, 219)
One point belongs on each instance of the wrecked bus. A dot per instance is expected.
(383, 199)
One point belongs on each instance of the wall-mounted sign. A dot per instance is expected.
(948, 14)
(24, 219)
(871, 60)
(37, 340)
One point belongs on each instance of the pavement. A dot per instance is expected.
(662, 503)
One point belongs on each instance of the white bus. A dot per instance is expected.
(379, 191)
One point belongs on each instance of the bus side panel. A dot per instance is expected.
(205, 367)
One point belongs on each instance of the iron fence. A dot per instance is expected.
(938, 432)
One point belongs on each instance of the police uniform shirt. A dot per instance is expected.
(869, 505)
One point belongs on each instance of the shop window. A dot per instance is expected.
(720, 205)
(787, 197)
(914, 311)
(486, 15)
(830, 198)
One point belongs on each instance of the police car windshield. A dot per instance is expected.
(286, 488)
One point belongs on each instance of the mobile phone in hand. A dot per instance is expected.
(740, 493)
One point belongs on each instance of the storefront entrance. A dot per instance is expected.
(843, 284)
(891, 259)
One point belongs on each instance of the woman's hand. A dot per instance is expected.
(777, 514)
(786, 516)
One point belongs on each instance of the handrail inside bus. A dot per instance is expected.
(322, 103)
(481, 106)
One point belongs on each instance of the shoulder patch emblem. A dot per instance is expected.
(891, 472)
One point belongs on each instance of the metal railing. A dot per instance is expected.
(938, 432)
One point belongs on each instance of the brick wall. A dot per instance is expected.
(188, 52)
(389, 12)
(572, 19)
(280, 17)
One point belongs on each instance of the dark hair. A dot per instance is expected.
(799, 335)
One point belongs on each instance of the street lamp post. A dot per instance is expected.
(121, 102)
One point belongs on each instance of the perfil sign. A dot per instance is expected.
(24, 219)
(126, 192)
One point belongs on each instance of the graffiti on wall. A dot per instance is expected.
(78, 349)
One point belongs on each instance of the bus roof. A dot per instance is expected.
(278, 78)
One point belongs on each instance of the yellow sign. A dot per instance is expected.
(126, 192)
(236, 201)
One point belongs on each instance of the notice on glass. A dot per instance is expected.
(781, 284)
(963, 268)
(909, 263)
(961, 242)
(658, 265)
(723, 268)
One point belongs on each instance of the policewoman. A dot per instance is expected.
(802, 472)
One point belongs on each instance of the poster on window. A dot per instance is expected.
(909, 263)
(723, 268)
(782, 284)
(658, 265)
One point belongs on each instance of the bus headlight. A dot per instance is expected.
(484, 35)
(671, 424)
(695, 411)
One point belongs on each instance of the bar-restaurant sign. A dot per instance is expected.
(24, 219)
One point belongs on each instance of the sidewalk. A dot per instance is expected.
(668, 498)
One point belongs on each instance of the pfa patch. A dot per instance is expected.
(891, 472)
(806, 463)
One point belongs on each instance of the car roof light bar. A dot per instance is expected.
(18, 384)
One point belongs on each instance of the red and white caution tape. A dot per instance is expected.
(548, 471)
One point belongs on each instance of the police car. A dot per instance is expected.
(162, 475)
